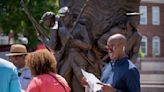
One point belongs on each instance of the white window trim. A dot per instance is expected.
(143, 11)
(155, 15)
(144, 39)
(156, 39)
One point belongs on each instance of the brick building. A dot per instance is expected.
(152, 28)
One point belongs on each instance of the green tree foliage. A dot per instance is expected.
(13, 18)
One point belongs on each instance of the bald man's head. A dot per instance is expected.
(117, 38)
(116, 46)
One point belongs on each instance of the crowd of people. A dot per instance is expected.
(120, 75)
(41, 71)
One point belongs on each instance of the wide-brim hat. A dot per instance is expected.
(134, 14)
(17, 49)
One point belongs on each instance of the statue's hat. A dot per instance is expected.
(63, 11)
(133, 14)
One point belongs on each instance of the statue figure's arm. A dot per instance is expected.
(53, 38)
(102, 41)
(83, 43)
(136, 47)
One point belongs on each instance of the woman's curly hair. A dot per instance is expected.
(41, 62)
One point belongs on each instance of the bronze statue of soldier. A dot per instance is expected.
(103, 19)
(84, 46)
(77, 48)
(129, 29)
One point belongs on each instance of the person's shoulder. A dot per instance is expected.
(131, 65)
(137, 34)
(62, 80)
(6, 64)
(132, 68)
(59, 77)
(107, 68)
(37, 80)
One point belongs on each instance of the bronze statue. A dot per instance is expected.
(104, 18)
(78, 38)
(77, 48)
(133, 37)
(130, 31)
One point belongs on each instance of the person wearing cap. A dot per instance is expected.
(133, 36)
(9, 81)
(17, 56)
(58, 31)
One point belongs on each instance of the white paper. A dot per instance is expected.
(92, 81)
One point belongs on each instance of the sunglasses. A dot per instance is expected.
(110, 48)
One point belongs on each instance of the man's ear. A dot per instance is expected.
(123, 48)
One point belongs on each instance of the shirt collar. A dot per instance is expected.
(119, 61)
(22, 69)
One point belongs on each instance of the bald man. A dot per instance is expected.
(120, 75)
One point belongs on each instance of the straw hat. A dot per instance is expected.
(17, 49)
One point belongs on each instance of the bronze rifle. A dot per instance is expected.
(42, 36)
(72, 29)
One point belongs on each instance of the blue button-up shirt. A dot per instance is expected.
(25, 77)
(122, 75)
(8, 77)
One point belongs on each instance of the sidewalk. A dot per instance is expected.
(152, 82)
(152, 76)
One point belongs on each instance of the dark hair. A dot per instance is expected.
(41, 62)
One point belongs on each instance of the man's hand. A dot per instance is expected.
(107, 87)
(84, 82)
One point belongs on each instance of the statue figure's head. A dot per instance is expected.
(133, 19)
(63, 11)
(48, 19)
(66, 15)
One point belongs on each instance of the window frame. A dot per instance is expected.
(143, 11)
(155, 15)
(145, 40)
(156, 41)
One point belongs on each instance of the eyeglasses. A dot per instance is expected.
(110, 48)
(15, 56)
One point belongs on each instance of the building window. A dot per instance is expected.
(143, 17)
(156, 46)
(143, 46)
(155, 15)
